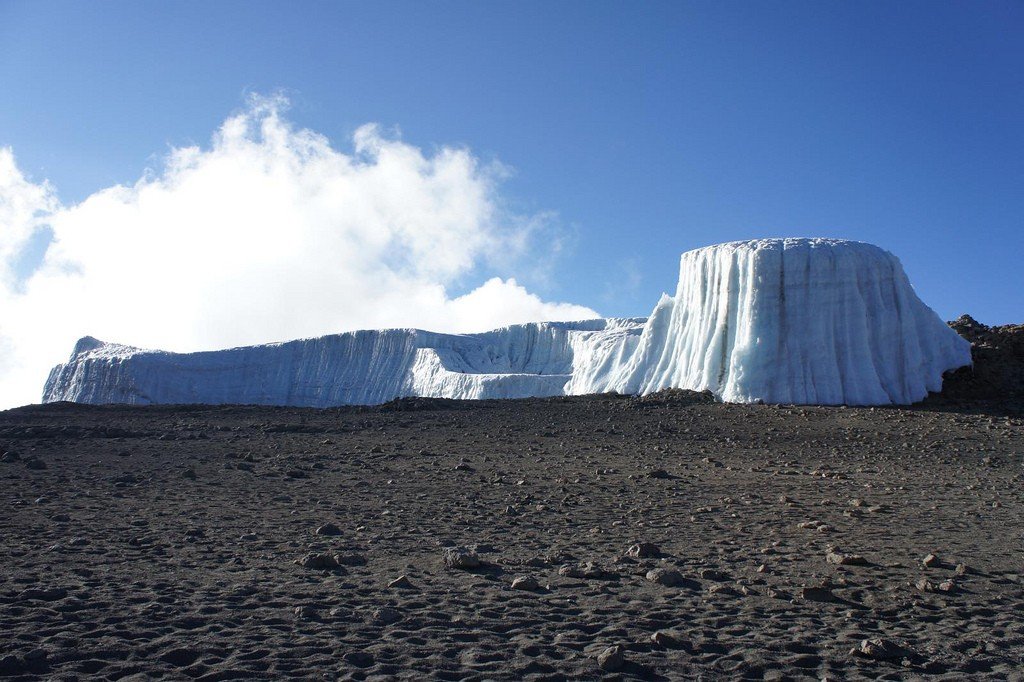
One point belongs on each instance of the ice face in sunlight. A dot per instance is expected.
(811, 321)
(807, 321)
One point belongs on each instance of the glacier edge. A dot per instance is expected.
(801, 321)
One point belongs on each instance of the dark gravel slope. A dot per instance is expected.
(787, 542)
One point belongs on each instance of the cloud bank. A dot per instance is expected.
(267, 234)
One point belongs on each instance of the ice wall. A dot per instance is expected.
(811, 321)
(363, 368)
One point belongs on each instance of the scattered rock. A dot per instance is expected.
(819, 526)
(721, 588)
(319, 561)
(305, 612)
(588, 571)
(525, 582)
(402, 582)
(460, 558)
(713, 574)
(931, 561)
(669, 577)
(386, 615)
(669, 640)
(658, 473)
(882, 649)
(644, 550)
(35, 463)
(350, 559)
(611, 659)
(925, 585)
(820, 594)
(328, 529)
(840, 559)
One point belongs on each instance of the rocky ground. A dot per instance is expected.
(659, 538)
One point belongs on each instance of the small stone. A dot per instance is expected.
(350, 559)
(644, 550)
(961, 569)
(713, 574)
(611, 659)
(10, 456)
(525, 582)
(668, 639)
(386, 615)
(402, 582)
(305, 612)
(819, 526)
(462, 466)
(189, 474)
(460, 558)
(328, 529)
(821, 594)
(947, 586)
(669, 577)
(658, 473)
(35, 463)
(589, 571)
(319, 561)
(721, 588)
(845, 559)
(930, 561)
(882, 649)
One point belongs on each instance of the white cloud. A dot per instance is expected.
(268, 234)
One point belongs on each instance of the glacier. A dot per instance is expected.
(799, 321)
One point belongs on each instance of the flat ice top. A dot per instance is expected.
(775, 243)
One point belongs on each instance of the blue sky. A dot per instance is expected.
(647, 128)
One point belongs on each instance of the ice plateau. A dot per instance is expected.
(804, 321)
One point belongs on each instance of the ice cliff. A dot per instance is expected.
(805, 321)
(817, 321)
(363, 367)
